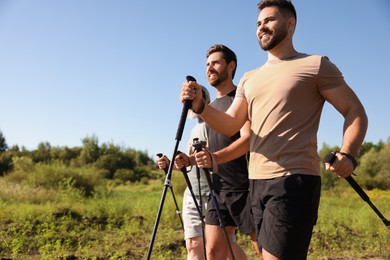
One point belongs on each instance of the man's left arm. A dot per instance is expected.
(236, 149)
(349, 106)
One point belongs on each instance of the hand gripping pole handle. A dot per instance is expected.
(186, 105)
(159, 155)
(330, 158)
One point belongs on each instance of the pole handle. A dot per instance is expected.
(186, 105)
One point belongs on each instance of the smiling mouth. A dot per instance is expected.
(265, 35)
(213, 75)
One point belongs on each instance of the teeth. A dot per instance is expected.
(264, 36)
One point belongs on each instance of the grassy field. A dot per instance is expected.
(117, 223)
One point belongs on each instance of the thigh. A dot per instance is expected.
(216, 239)
(216, 214)
(288, 212)
(238, 204)
(191, 218)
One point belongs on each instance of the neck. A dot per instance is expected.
(283, 51)
(272, 56)
(224, 88)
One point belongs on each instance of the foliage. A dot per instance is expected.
(90, 151)
(105, 159)
(5, 163)
(117, 221)
(343, 215)
(100, 202)
(112, 159)
(373, 170)
(5, 159)
(42, 153)
(3, 143)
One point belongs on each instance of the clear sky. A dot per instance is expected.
(114, 68)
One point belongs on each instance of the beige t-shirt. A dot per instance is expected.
(284, 107)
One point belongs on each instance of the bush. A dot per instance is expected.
(5, 163)
(52, 176)
(124, 175)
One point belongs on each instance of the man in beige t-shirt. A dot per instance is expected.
(283, 100)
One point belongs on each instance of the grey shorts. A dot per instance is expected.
(191, 218)
(285, 210)
(235, 211)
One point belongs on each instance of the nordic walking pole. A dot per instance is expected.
(198, 208)
(330, 158)
(198, 148)
(201, 212)
(195, 140)
(184, 171)
(178, 212)
(179, 133)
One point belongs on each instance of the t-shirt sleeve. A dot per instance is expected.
(329, 76)
(240, 89)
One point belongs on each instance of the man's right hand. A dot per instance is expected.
(182, 161)
(163, 162)
(192, 91)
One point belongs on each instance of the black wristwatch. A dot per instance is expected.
(355, 163)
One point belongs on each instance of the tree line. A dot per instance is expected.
(114, 162)
(373, 171)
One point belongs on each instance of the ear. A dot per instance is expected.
(231, 66)
(291, 24)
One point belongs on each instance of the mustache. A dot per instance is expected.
(265, 30)
(213, 71)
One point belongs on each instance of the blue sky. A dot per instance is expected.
(71, 69)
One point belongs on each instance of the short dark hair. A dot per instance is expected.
(228, 54)
(285, 6)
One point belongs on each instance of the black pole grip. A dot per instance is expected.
(159, 155)
(198, 147)
(186, 105)
(330, 158)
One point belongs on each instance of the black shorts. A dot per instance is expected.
(235, 211)
(285, 210)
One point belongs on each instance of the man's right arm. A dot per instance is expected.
(227, 123)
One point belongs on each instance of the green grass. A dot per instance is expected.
(347, 226)
(117, 222)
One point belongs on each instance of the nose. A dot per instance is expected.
(208, 68)
(260, 27)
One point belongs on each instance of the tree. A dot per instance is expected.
(113, 158)
(369, 167)
(90, 150)
(42, 154)
(384, 173)
(65, 154)
(374, 167)
(3, 144)
(5, 163)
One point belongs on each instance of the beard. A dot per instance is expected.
(221, 77)
(274, 39)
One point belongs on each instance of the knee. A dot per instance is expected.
(194, 243)
(212, 253)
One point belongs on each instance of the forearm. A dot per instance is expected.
(230, 122)
(233, 151)
(355, 127)
(219, 121)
